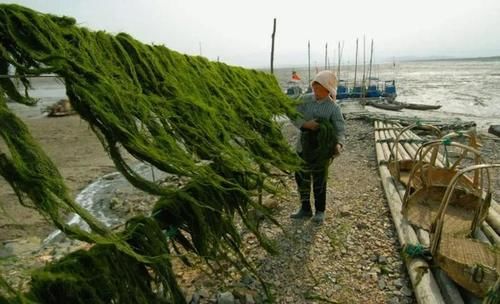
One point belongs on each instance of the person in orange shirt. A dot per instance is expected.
(295, 76)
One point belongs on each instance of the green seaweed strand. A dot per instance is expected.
(212, 124)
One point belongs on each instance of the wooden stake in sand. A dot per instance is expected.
(272, 46)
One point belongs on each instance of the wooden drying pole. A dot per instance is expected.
(272, 46)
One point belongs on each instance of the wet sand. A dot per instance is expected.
(80, 158)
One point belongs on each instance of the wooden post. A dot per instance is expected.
(272, 46)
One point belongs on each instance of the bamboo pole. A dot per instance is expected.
(447, 287)
(424, 285)
(493, 218)
(272, 46)
(490, 233)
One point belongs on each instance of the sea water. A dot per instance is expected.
(465, 89)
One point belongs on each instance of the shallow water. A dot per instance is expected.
(48, 90)
(469, 90)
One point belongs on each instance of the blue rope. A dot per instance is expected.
(416, 251)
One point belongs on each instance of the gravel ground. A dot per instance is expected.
(353, 257)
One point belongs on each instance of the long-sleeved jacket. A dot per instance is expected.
(310, 108)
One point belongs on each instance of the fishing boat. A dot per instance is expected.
(418, 106)
(61, 108)
(385, 105)
(373, 89)
(293, 88)
(342, 90)
(390, 90)
(494, 129)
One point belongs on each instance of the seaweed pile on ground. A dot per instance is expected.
(209, 123)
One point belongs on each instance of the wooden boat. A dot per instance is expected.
(390, 90)
(494, 129)
(342, 90)
(61, 108)
(386, 106)
(422, 107)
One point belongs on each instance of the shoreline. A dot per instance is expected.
(78, 155)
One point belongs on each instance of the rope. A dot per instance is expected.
(416, 251)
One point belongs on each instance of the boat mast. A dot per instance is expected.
(309, 61)
(364, 66)
(356, 64)
(371, 58)
(326, 56)
(340, 57)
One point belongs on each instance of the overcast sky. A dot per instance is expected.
(239, 32)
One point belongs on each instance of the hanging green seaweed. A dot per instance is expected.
(318, 146)
(208, 122)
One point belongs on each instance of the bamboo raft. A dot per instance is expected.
(430, 284)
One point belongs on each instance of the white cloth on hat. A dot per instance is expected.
(328, 80)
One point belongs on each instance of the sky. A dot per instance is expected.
(239, 32)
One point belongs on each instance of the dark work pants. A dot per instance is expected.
(319, 176)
